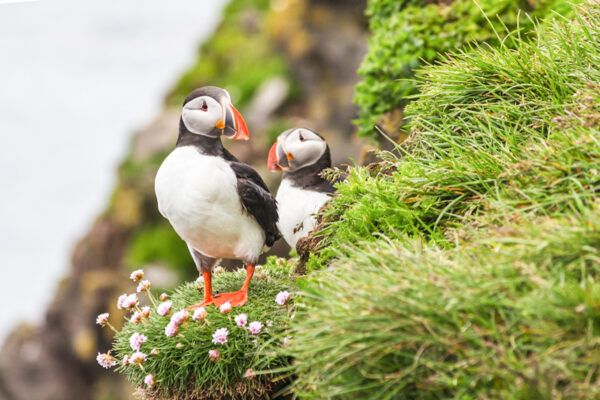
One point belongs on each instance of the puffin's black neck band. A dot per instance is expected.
(309, 178)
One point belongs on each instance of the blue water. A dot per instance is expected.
(76, 79)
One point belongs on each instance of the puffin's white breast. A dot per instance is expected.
(197, 193)
(297, 208)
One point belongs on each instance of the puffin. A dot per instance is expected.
(302, 154)
(218, 205)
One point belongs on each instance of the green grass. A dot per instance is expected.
(409, 33)
(468, 267)
(186, 370)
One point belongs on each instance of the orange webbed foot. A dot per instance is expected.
(236, 299)
(206, 302)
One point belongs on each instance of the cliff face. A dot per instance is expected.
(318, 45)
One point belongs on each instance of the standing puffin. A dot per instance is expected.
(303, 155)
(218, 205)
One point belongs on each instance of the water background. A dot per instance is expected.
(77, 77)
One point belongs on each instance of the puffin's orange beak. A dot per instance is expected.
(239, 125)
(272, 160)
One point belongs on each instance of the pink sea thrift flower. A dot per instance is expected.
(255, 327)
(171, 329)
(218, 270)
(137, 358)
(225, 308)
(179, 345)
(164, 308)
(143, 286)
(149, 380)
(127, 302)
(154, 352)
(163, 296)
(145, 312)
(106, 360)
(282, 297)
(269, 323)
(137, 275)
(126, 359)
(200, 279)
(102, 319)
(249, 374)
(220, 336)
(136, 318)
(241, 320)
(180, 317)
(136, 340)
(214, 355)
(199, 314)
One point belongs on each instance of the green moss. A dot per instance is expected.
(408, 33)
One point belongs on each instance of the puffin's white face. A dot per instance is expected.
(202, 115)
(295, 149)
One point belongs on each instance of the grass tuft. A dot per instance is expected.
(183, 368)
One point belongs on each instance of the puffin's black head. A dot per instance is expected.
(208, 111)
(298, 148)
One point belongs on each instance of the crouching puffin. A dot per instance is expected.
(303, 155)
(218, 205)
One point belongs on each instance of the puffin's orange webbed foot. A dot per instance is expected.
(236, 299)
(206, 302)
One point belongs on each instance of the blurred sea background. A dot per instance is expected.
(76, 79)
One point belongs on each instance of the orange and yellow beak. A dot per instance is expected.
(278, 159)
(234, 126)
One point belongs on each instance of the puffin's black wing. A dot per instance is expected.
(257, 200)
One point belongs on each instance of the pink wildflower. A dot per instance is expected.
(154, 352)
(225, 308)
(180, 317)
(286, 340)
(145, 312)
(200, 279)
(218, 270)
(137, 358)
(214, 355)
(136, 340)
(143, 286)
(220, 336)
(136, 318)
(126, 359)
(102, 319)
(282, 297)
(269, 323)
(179, 345)
(171, 329)
(255, 327)
(106, 360)
(241, 320)
(149, 380)
(249, 374)
(127, 302)
(163, 297)
(137, 275)
(199, 314)
(164, 308)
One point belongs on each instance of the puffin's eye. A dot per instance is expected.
(301, 137)
(204, 105)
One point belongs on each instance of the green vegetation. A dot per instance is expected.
(407, 33)
(468, 268)
(239, 57)
(183, 367)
